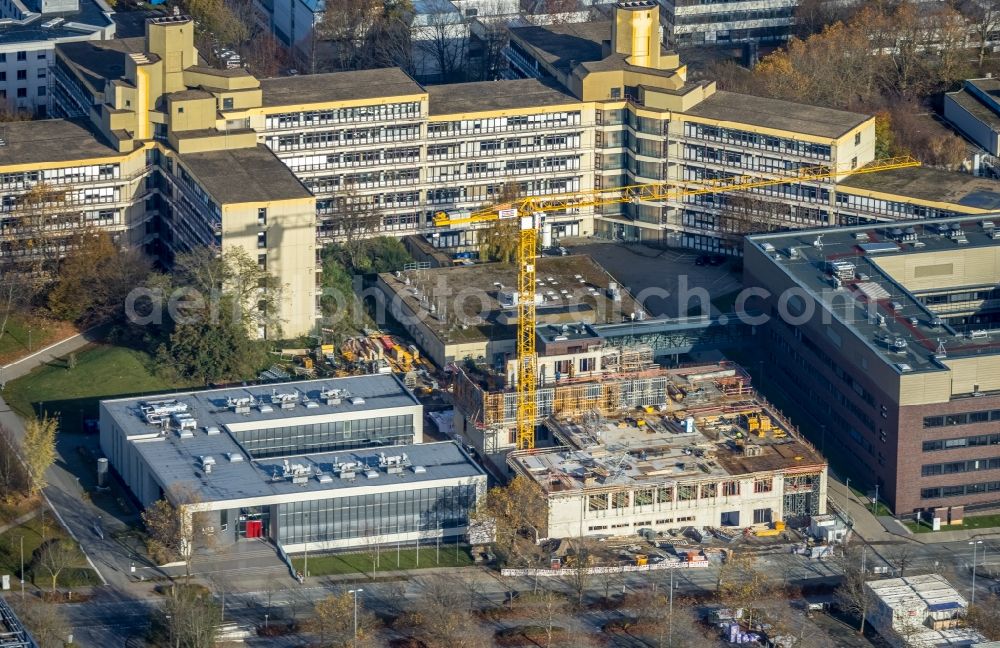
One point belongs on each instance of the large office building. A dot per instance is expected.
(326, 463)
(889, 333)
(169, 154)
(29, 32)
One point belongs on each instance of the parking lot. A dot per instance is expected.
(664, 281)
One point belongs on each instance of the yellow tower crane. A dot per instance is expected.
(529, 210)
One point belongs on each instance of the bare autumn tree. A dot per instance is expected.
(663, 624)
(548, 609)
(46, 622)
(55, 557)
(360, 34)
(441, 617)
(983, 18)
(94, 278)
(742, 584)
(852, 596)
(190, 617)
(332, 622)
(984, 617)
(519, 513)
(444, 41)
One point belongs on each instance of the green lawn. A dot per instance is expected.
(361, 563)
(970, 522)
(23, 336)
(102, 371)
(10, 554)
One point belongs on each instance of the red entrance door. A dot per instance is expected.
(255, 528)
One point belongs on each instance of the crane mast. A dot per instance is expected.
(527, 360)
(529, 211)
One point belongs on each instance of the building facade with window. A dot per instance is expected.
(320, 464)
(280, 166)
(29, 32)
(888, 332)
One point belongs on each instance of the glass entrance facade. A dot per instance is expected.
(376, 516)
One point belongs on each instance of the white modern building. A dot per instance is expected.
(326, 463)
(697, 22)
(29, 31)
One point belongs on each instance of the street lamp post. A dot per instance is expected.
(975, 547)
(355, 592)
(875, 503)
(847, 502)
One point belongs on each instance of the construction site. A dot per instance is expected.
(664, 449)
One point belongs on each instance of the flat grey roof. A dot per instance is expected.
(50, 140)
(495, 95)
(906, 318)
(90, 16)
(778, 114)
(100, 61)
(245, 175)
(176, 463)
(925, 183)
(481, 318)
(562, 45)
(208, 406)
(975, 107)
(338, 86)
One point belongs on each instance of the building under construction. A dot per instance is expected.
(663, 449)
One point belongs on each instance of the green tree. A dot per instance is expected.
(209, 351)
(39, 449)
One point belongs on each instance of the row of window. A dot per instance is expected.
(938, 492)
(950, 468)
(509, 145)
(644, 523)
(344, 137)
(974, 441)
(325, 437)
(22, 75)
(362, 180)
(961, 418)
(666, 494)
(735, 16)
(501, 124)
(353, 159)
(376, 515)
(755, 140)
(384, 112)
(508, 167)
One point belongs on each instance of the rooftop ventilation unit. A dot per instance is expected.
(265, 408)
(323, 478)
(980, 334)
(235, 457)
(310, 404)
(419, 470)
(332, 396)
(393, 464)
(371, 474)
(207, 460)
(903, 367)
(988, 225)
(861, 236)
(185, 434)
(356, 400)
(767, 247)
(155, 412)
(184, 421)
(285, 400)
(842, 270)
(240, 405)
(212, 430)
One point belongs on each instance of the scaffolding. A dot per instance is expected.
(613, 394)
